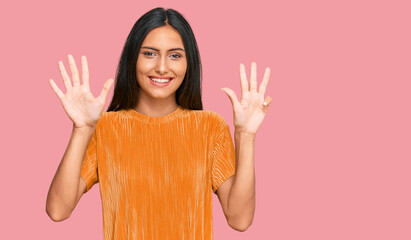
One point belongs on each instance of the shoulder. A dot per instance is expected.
(110, 117)
(116, 114)
(214, 119)
(107, 116)
(206, 114)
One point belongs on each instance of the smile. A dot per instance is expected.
(160, 81)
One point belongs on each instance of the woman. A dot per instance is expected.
(156, 153)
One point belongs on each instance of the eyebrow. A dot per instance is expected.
(169, 50)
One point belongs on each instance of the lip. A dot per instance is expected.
(160, 84)
(160, 77)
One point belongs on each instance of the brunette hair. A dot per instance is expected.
(126, 90)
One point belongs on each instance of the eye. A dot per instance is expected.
(175, 55)
(149, 54)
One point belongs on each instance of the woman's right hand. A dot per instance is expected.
(79, 103)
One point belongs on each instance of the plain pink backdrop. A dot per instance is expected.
(332, 156)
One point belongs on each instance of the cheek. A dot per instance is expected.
(182, 69)
(142, 68)
(141, 65)
(140, 76)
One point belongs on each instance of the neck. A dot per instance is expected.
(156, 107)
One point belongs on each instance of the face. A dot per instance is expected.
(161, 64)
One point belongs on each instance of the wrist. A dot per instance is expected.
(83, 130)
(240, 133)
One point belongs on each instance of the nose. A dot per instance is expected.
(161, 67)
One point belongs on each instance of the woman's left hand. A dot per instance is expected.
(250, 112)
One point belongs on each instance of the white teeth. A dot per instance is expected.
(160, 80)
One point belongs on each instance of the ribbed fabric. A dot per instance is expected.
(157, 174)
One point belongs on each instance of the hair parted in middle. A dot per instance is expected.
(127, 89)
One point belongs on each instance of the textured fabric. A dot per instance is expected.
(157, 174)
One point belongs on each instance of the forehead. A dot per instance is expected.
(163, 37)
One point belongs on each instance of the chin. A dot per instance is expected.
(161, 95)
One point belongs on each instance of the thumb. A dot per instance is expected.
(266, 103)
(231, 94)
(104, 92)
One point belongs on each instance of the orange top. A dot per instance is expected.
(157, 174)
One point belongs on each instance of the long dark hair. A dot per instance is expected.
(127, 89)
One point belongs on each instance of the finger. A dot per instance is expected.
(266, 103)
(64, 75)
(85, 72)
(104, 92)
(74, 72)
(243, 79)
(56, 89)
(263, 85)
(231, 94)
(253, 77)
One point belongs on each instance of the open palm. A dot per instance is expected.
(249, 113)
(79, 103)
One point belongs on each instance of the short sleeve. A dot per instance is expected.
(89, 166)
(223, 158)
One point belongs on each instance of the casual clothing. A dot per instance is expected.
(157, 174)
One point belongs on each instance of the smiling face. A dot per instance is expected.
(161, 64)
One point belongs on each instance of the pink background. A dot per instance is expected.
(332, 155)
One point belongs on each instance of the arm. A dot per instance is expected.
(85, 111)
(67, 186)
(237, 194)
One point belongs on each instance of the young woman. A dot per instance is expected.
(155, 153)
